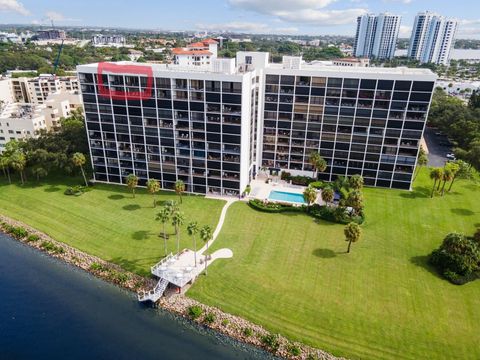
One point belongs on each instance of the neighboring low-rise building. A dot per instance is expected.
(51, 34)
(20, 121)
(36, 90)
(352, 62)
(108, 40)
(196, 54)
(60, 105)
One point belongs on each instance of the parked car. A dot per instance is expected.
(451, 156)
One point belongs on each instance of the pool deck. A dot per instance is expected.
(261, 190)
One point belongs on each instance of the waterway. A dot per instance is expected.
(51, 310)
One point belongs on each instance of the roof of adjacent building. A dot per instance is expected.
(182, 51)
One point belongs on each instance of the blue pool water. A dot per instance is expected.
(286, 196)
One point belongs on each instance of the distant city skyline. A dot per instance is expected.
(299, 17)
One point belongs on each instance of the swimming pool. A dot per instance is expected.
(286, 197)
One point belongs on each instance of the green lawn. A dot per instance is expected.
(106, 221)
(381, 301)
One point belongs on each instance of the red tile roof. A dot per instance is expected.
(202, 43)
(182, 51)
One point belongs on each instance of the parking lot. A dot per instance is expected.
(438, 147)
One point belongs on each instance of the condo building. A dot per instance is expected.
(215, 126)
(376, 36)
(433, 37)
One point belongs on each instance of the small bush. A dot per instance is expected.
(33, 238)
(17, 232)
(74, 190)
(119, 277)
(247, 332)
(270, 341)
(97, 267)
(274, 207)
(52, 248)
(318, 185)
(225, 322)
(209, 318)
(294, 350)
(194, 312)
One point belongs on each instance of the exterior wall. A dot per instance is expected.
(18, 124)
(376, 36)
(6, 93)
(60, 105)
(191, 130)
(367, 125)
(433, 37)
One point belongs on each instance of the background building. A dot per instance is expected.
(376, 36)
(433, 37)
(215, 126)
(198, 54)
(51, 34)
(108, 40)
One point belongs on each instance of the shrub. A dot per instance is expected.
(194, 312)
(119, 277)
(51, 247)
(318, 185)
(457, 259)
(274, 207)
(33, 238)
(247, 332)
(285, 175)
(74, 190)
(209, 318)
(335, 214)
(225, 322)
(18, 232)
(270, 341)
(97, 267)
(294, 350)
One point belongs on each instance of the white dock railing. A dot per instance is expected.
(156, 293)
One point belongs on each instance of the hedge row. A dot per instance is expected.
(332, 214)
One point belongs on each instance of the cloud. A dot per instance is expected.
(405, 31)
(399, 1)
(13, 6)
(56, 16)
(247, 27)
(311, 12)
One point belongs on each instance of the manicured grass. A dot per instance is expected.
(105, 221)
(381, 301)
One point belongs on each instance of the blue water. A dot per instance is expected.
(286, 196)
(50, 310)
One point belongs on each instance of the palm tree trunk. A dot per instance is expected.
(349, 244)
(439, 183)
(21, 176)
(451, 184)
(165, 239)
(206, 257)
(416, 173)
(84, 177)
(133, 193)
(178, 240)
(443, 187)
(195, 249)
(154, 202)
(8, 175)
(433, 189)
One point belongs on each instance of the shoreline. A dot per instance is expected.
(224, 323)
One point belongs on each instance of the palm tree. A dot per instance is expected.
(356, 182)
(192, 229)
(206, 235)
(5, 165)
(171, 206)
(178, 218)
(422, 160)
(18, 162)
(132, 182)
(328, 195)
(153, 186)
(355, 200)
(310, 195)
(179, 188)
(318, 163)
(78, 159)
(454, 169)
(447, 176)
(436, 174)
(352, 233)
(164, 216)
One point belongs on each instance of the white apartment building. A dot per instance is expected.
(197, 54)
(36, 90)
(108, 40)
(214, 126)
(60, 105)
(376, 36)
(20, 121)
(432, 39)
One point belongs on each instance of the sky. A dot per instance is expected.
(293, 17)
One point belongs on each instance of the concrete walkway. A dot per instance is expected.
(223, 214)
